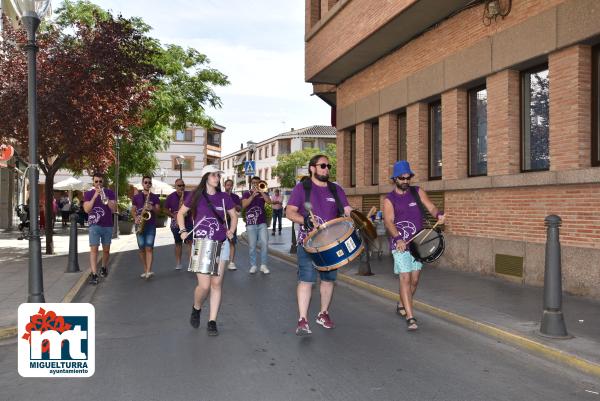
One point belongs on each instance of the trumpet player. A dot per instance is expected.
(100, 204)
(256, 224)
(172, 205)
(144, 207)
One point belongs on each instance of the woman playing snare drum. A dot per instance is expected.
(209, 205)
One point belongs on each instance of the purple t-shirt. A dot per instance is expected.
(255, 212)
(206, 223)
(138, 202)
(236, 199)
(408, 217)
(323, 204)
(172, 204)
(100, 214)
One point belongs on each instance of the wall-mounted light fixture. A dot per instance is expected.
(493, 9)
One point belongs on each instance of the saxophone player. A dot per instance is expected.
(172, 205)
(144, 207)
(100, 204)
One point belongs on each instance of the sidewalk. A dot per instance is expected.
(492, 306)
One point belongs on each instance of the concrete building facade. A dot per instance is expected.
(496, 106)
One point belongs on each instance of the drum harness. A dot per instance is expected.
(307, 184)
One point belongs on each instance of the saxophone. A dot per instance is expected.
(145, 215)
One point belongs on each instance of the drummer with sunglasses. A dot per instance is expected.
(324, 207)
(403, 219)
(172, 205)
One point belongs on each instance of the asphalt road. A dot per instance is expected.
(146, 349)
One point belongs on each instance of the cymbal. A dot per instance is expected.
(362, 223)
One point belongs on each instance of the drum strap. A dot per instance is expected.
(417, 198)
(212, 207)
(307, 184)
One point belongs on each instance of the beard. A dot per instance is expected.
(322, 178)
(403, 186)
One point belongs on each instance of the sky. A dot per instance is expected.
(258, 44)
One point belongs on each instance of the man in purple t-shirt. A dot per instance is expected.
(172, 205)
(145, 201)
(99, 203)
(403, 219)
(324, 208)
(256, 224)
(228, 184)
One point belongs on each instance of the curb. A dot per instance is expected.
(539, 349)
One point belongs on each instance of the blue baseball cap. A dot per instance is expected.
(401, 167)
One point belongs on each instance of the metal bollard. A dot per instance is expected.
(364, 268)
(294, 247)
(73, 264)
(553, 323)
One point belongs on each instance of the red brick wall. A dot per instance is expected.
(518, 213)
(388, 143)
(417, 139)
(454, 140)
(570, 111)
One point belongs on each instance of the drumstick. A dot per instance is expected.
(428, 232)
(308, 207)
(225, 215)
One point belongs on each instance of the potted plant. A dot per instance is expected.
(161, 216)
(126, 222)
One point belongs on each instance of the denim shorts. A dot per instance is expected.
(100, 234)
(177, 236)
(307, 272)
(404, 262)
(146, 238)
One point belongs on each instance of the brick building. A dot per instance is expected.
(494, 103)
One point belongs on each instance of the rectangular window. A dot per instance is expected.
(477, 132)
(401, 142)
(353, 158)
(535, 120)
(186, 135)
(187, 165)
(596, 106)
(308, 144)
(214, 139)
(260, 154)
(273, 150)
(285, 146)
(435, 141)
(375, 153)
(267, 151)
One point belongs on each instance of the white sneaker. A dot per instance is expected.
(143, 275)
(232, 266)
(178, 267)
(252, 270)
(150, 274)
(264, 269)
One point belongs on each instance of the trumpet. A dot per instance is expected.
(262, 186)
(103, 196)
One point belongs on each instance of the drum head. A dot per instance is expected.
(427, 246)
(330, 232)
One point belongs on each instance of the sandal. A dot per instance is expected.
(411, 323)
(400, 310)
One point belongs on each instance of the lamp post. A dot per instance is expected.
(180, 159)
(116, 215)
(30, 12)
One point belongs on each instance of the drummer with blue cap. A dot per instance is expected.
(403, 219)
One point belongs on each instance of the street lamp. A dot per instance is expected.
(116, 216)
(180, 159)
(30, 12)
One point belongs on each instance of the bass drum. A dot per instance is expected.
(426, 247)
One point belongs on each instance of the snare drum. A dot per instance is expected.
(334, 244)
(205, 256)
(430, 249)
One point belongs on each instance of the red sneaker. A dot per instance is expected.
(302, 329)
(324, 320)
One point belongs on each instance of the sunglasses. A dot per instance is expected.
(181, 185)
(98, 181)
(324, 165)
(147, 182)
(403, 178)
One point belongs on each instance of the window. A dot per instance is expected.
(596, 106)
(353, 158)
(187, 165)
(435, 141)
(273, 150)
(477, 132)
(186, 135)
(308, 144)
(535, 121)
(260, 154)
(401, 143)
(375, 153)
(214, 139)
(267, 152)
(285, 146)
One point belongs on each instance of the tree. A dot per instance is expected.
(92, 80)
(287, 165)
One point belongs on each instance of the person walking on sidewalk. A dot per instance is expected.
(328, 201)
(277, 202)
(209, 209)
(172, 205)
(238, 207)
(100, 204)
(256, 224)
(65, 208)
(146, 202)
(403, 219)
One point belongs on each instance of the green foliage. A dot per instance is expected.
(287, 165)
(162, 212)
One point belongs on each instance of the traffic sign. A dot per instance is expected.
(250, 167)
